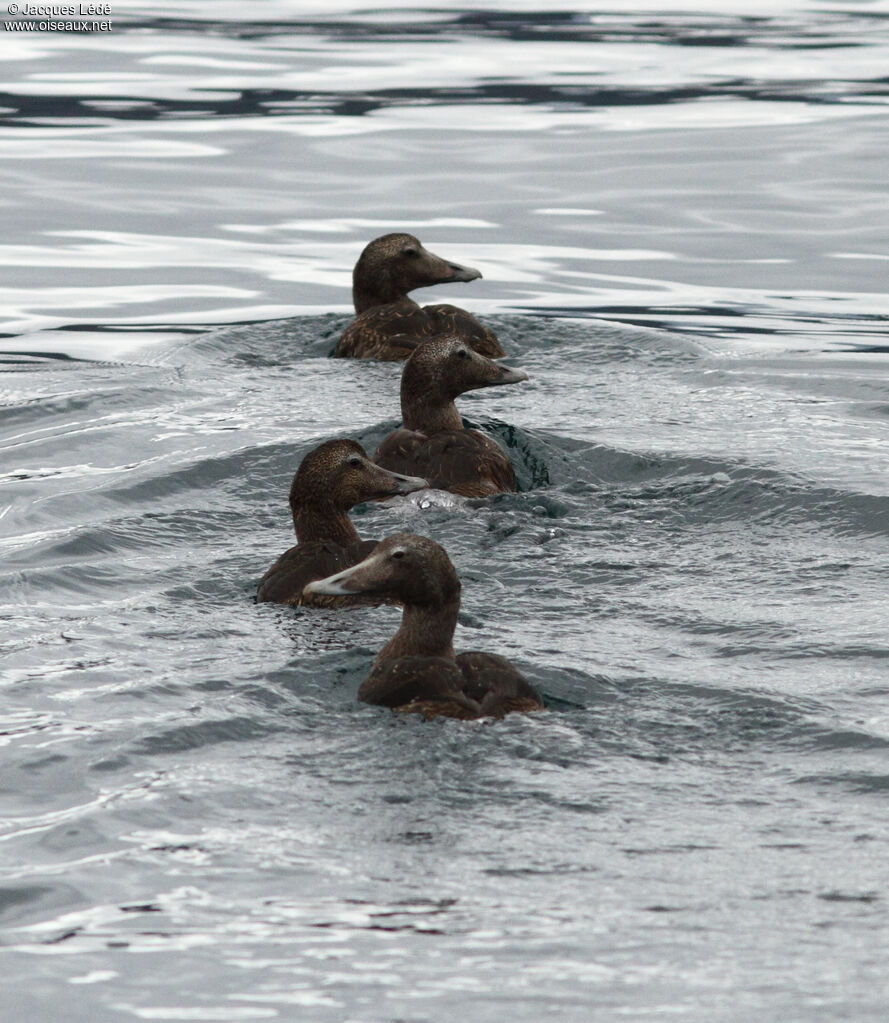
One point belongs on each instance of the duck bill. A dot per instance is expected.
(409, 484)
(509, 375)
(357, 579)
(393, 484)
(443, 271)
(497, 375)
(463, 274)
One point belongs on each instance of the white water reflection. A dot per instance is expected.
(543, 155)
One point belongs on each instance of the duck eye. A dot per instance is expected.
(397, 554)
(411, 252)
(462, 353)
(355, 461)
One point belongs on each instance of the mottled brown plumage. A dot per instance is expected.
(388, 325)
(432, 442)
(417, 670)
(330, 480)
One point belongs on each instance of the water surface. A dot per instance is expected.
(680, 216)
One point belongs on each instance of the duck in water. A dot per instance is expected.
(330, 480)
(417, 671)
(432, 441)
(388, 325)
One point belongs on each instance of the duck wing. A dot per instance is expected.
(386, 332)
(496, 685)
(431, 686)
(402, 448)
(450, 319)
(462, 461)
(306, 562)
(390, 332)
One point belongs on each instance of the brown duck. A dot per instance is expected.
(330, 480)
(388, 325)
(432, 442)
(417, 670)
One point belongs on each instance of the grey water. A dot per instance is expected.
(681, 215)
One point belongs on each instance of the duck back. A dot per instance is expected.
(463, 462)
(297, 567)
(496, 685)
(403, 682)
(391, 332)
(476, 685)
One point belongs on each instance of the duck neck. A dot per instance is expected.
(369, 291)
(323, 522)
(426, 630)
(429, 413)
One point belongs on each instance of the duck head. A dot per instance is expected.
(394, 264)
(336, 476)
(439, 370)
(405, 569)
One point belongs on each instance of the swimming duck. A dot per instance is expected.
(330, 480)
(388, 325)
(417, 670)
(432, 442)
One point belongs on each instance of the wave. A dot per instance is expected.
(772, 37)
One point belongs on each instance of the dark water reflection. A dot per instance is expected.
(198, 820)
